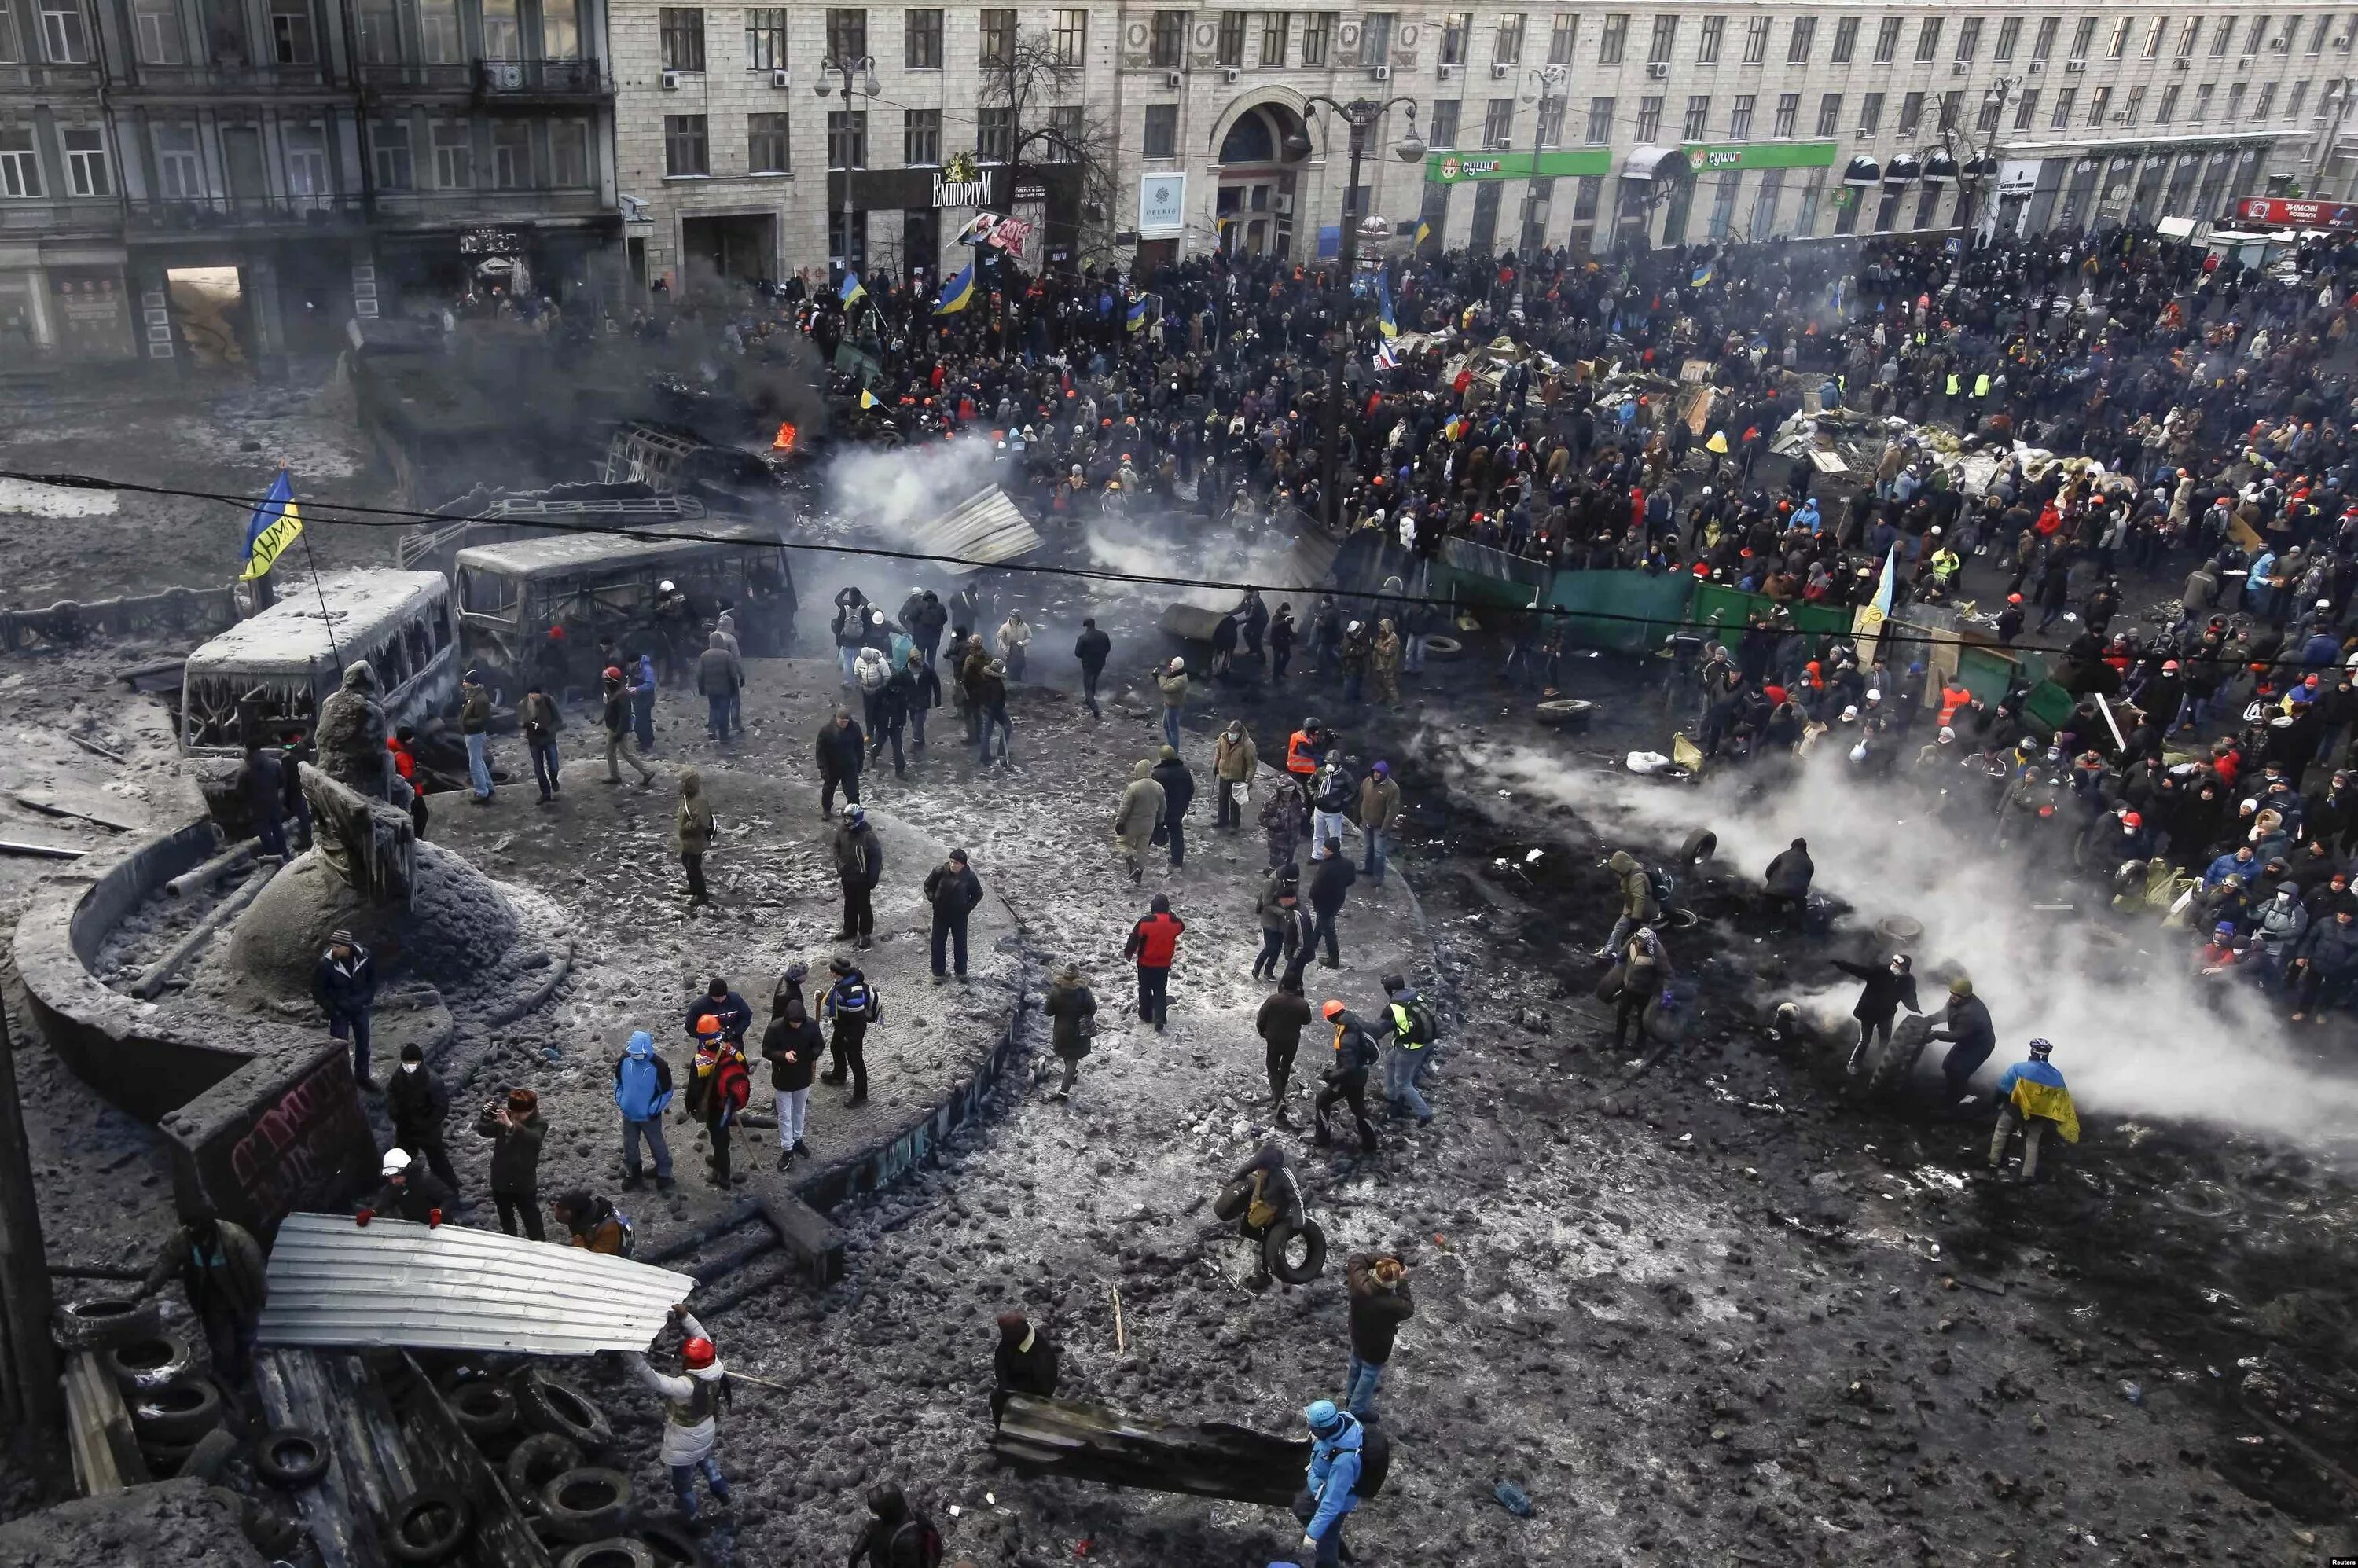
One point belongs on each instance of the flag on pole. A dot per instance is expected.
(1703, 274)
(275, 524)
(1423, 232)
(1384, 317)
(957, 293)
(852, 289)
(1138, 313)
(1883, 586)
(1385, 358)
(1867, 626)
(869, 399)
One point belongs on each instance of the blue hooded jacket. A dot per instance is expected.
(1334, 1477)
(642, 1088)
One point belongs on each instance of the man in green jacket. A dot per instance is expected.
(220, 1267)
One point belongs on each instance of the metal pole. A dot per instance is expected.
(1345, 338)
(29, 1395)
(847, 176)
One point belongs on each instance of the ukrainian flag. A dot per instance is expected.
(1423, 232)
(1703, 274)
(869, 399)
(957, 293)
(1138, 313)
(1384, 305)
(275, 524)
(852, 289)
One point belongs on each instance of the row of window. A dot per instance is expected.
(2102, 105)
(432, 27)
(87, 170)
(2145, 37)
(521, 156)
(681, 32)
(687, 138)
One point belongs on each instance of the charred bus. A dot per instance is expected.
(264, 679)
(596, 588)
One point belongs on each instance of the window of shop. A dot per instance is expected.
(1797, 44)
(1169, 37)
(1887, 41)
(1614, 40)
(1805, 221)
(1228, 48)
(568, 152)
(1722, 205)
(180, 168)
(1887, 211)
(1072, 37)
(1764, 204)
(847, 34)
(560, 29)
(688, 150)
(998, 36)
(1499, 124)
(1846, 205)
(920, 138)
(1600, 122)
(155, 32)
(1664, 41)
(1789, 111)
(847, 138)
(994, 136)
(765, 39)
(1432, 212)
(1650, 118)
(1485, 231)
(1756, 40)
(1276, 32)
(511, 155)
(1161, 134)
(1585, 193)
(1454, 27)
(500, 32)
(1697, 125)
(1928, 206)
(1739, 116)
(1508, 50)
(1830, 115)
(437, 33)
(65, 38)
(389, 148)
(454, 155)
(682, 30)
(1560, 37)
(921, 40)
(1443, 132)
(307, 160)
(766, 147)
(1846, 40)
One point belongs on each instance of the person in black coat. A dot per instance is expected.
(265, 788)
(953, 889)
(792, 1045)
(840, 752)
(1178, 793)
(1887, 990)
(408, 1192)
(735, 1013)
(1328, 883)
(1788, 882)
(417, 1105)
(345, 986)
(1093, 647)
(1967, 1025)
(1023, 1363)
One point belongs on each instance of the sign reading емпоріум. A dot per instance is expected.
(1450, 168)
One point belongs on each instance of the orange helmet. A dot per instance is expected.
(1332, 1007)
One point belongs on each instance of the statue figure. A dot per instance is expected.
(351, 733)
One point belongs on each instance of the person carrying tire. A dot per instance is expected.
(692, 1405)
(1265, 1201)
(1380, 1302)
(1966, 1022)
(1645, 967)
(221, 1269)
(1885, 991)
(1346, 1078)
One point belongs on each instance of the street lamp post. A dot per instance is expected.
(1360, 116)
(1975, 170)
(865, 68)
(1537, 82)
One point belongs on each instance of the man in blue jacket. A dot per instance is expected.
(642, 1092)
(1333, 1486)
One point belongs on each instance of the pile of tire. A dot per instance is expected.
(163, 1371)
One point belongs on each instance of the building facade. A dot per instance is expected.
(237, 180)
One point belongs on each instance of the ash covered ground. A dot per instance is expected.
(1716, 1313)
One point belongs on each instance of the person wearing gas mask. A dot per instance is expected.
(1886, 989)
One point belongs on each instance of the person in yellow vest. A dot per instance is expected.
(1953, 383)
(1982, 385)
(2032, 1096)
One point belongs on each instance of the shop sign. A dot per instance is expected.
(2283, 212)
(1448, 168)
(491, 242)
(973, 192)
(1760, 154)
(2017, 176)
(1161, 205)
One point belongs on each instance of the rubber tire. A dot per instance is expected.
(178, 1412)
(165, 1459)
(1667, 1027)
(576, 1524)
(546, 1404)
(211, 1455)
(1896, 1060)
(484, 1410)
(1314, 1261)
(1565, 712)
(1609, 983)
(119, 1321)
(536, 1461)
(403, 1546)
(673, 1548)
(292, 1458)
(1440, 647)
(614, 1551)
(1234, 1199)
(1700, 845)
(137, 1366)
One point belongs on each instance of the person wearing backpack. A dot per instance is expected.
(1413, 1036)
(897, 1536)
(1347, 1079)
(792, 1045)
(592, 1223)
(718, 1090)
(852, 1005)
(1640, 906)
(692, 1405)
(642, 1092)
(1344, 1469)
(1380, 1304)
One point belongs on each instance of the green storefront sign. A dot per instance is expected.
(1454, 167)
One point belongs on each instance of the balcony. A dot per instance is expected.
(227, 79)
(101, 215)
(540, 81)
(451, 77)
(441, 209)
(242, 215)
(48, 78)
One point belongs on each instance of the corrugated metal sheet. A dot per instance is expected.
(394, 1282)
(985, 526)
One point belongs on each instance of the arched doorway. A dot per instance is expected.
(1260, 157)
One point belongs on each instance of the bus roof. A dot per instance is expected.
(293, 635)
(570, 552)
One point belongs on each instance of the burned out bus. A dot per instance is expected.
(264, 679)
(594, 586)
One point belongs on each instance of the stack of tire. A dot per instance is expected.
(164, 1372)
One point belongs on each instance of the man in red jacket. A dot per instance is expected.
(1154, 942)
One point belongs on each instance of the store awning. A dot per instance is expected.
(1904, 170)
(1939, 168)
(1864, 171)
(1981, 168)
(1652, 162)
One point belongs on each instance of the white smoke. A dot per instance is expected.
(2133, 1035)
(1183, 544)
(893, 490)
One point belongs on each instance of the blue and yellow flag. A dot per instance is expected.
(1703, 274)
(957, 293)
(869, 399)
(1138, 313)
(1384, 318)
(275, 524)
(1423, 232)
(852, 289)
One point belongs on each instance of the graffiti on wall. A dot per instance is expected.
(293, 1151)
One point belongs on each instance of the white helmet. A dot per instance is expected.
(1177, 664)
(666, 586)
(397, 1160)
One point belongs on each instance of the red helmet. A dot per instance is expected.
(698, 1353)
(2131, 819)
